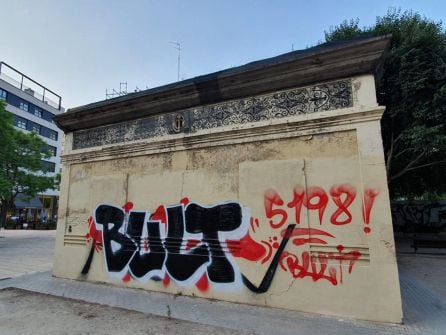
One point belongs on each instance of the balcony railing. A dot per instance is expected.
(29, 86)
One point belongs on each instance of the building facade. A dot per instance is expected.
(34, 106)
(263, 184)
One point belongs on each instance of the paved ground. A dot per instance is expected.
(427, 265)
(421, 281)
(25, 312)
(25, 251)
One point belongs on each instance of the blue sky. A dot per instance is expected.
(81, 48)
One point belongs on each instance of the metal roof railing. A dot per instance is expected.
(29, 86)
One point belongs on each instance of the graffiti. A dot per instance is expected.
(187, 243)
(350, 194)
(369, 199)
(316, 198)
(419, 217)
(192, 244)
(317, 267)
(313, 266)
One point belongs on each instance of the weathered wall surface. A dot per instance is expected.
(285, 205)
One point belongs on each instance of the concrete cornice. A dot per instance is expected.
(298, 126)
(322, 63)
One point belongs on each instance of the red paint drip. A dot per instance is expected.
(350, 194)
(306, 232)
(91, 229)
(270, 252)
(94, 234)
(302, 241)
(307, 267)
(128, 207)
(316, 267)
(297, 202)
(160, 214)
(369, 200)
(126, 278)
(185, 201)
(322, 200)
(272, 198)
(166, 280)
(191, 244)
(203, 283)
(251, 222)
(246, 248)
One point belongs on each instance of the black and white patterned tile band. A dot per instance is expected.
(281, 104)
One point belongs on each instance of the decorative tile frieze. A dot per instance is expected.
(318, 98)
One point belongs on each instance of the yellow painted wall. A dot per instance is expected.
(322, 172)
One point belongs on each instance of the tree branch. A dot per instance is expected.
(389, 155)
(397, 138)
(393, 143)
(402, 152)
(408, 167)
(425, 165)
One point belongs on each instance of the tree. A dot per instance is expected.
(413, 89)
(21, 169)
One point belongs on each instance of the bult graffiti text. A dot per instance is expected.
(192, 247)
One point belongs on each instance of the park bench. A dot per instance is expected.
(422, 242)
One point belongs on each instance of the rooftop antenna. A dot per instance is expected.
(114, 93)
(178, 47)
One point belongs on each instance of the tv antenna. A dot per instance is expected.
(114, 93)
(178, 47)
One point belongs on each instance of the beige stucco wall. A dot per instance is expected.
(336, 153)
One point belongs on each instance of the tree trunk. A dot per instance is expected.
(3, 211)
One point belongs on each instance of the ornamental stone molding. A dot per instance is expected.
(277, 105)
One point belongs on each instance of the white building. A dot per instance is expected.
(34, 106)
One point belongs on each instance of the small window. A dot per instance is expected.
(52, 150)
(21, 123)
(37, 112)
(23, 106)
(2, 94)
(53, 135)
(36, 128)
(48, 167)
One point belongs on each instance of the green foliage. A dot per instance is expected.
(346, 30)
(413, 89)
(21, 170)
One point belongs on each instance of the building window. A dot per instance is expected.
(21, 123)
(53, 135)
(36, 128)
(48, 166)
(23, 106)
(2, 94)
(37, 112)
(52, 150)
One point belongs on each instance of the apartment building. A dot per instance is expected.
(34, 107)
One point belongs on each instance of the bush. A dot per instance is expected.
(10, 224)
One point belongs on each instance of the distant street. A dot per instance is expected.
(25, 251)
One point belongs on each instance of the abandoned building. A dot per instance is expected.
(262, 184)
